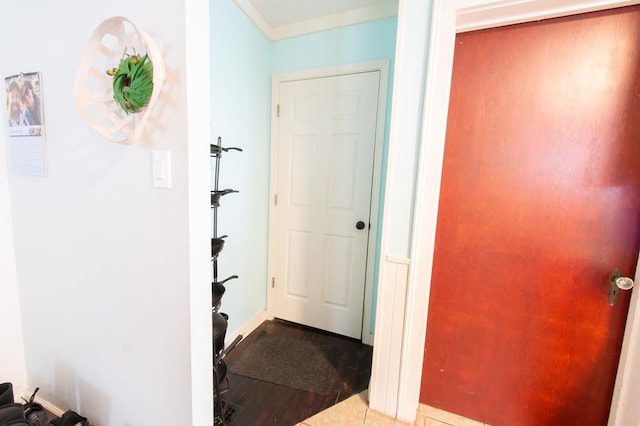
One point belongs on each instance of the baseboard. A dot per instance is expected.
(248, 327)
(51, 408)
(367, 339)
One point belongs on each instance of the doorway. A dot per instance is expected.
(449, 17)
(534, 216)
(326, 160)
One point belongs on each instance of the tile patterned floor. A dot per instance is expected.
(354, 411)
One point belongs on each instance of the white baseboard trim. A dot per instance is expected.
(248, 327)
(367, 339)
(51, 408)
(387, 348)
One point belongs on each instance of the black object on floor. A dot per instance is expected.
(6, 394)
(18, 422)
(11, 412)
(70, 418)
(295, 363)
(230, 413)
(34, 411)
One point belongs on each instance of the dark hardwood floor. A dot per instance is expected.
(254, 402)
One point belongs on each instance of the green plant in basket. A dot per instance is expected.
(132, 82)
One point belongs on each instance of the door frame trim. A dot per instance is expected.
(448, 18)
(624, 408)
(381, 66)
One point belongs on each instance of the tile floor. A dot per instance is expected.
(354, 411)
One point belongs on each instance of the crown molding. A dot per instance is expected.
(360, 15)
(508, 12)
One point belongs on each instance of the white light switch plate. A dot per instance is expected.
(161, 169)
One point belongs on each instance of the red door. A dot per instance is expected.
(540, 201)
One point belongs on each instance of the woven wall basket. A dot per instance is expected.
(94, 88)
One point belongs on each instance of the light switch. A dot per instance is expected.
(161, 168)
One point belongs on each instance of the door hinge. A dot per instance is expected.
(275, 199)
(273, 282)
(278, 110)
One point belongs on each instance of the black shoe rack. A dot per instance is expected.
(219, 319)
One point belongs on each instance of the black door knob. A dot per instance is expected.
(360, 225)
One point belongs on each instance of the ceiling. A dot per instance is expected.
(280, 19)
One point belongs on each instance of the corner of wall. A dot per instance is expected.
(12, 361)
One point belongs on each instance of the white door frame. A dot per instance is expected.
(383, 67)
(402, 365)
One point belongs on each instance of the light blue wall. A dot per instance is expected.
(242, 63)
(356, 43)
(240, 114)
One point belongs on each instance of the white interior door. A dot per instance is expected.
(325, 154)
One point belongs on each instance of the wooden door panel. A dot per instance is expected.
(540, 201)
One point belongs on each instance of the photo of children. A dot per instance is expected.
(26, 124)
(24, 106)
(16, 117)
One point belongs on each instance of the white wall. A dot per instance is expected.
(102, 258)
(392, 344)
(12, 368)
(197, 77)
